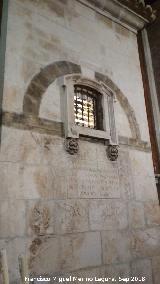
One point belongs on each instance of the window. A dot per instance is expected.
(87, 107)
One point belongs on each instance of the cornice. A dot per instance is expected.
(139, 7)
(133, 14)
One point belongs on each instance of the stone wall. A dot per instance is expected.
(77, 215)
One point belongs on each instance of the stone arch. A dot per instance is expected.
(124, 104)
(42, 80)
(47, 76)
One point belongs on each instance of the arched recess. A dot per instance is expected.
(42, 80)
(47, 76)
(124, 104)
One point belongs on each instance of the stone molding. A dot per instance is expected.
(42, 80)
(133, 14)
(48, 127)
(139, 7)
(128, 110)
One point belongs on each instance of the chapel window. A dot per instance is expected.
(87, 107)
(88, 111)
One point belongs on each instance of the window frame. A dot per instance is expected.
(107, 103)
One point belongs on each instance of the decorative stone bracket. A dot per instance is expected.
(71, 145)
(112, 152)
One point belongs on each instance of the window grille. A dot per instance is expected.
(86, 103)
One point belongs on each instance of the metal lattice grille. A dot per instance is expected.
(85, 106)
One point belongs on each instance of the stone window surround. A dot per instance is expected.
(108, 99)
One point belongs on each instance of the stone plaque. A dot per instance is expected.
(90, 183)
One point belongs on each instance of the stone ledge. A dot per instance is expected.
(29, 122)
(44, 126)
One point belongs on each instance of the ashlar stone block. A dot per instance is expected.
(145, 243)
(145, 188)
(40, 217)
(87, 250)
(142, 269)
(141, 160)
(117, 272)
(71, 216)
(46, 181)
(125, 175)
(12, 218)
(65, 253)
(136, 215)
(107, 215)
(152, 213)
(80, 276)
(116, 247)
(57, 217)
(49, 255)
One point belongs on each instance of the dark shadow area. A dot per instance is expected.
(150, 2)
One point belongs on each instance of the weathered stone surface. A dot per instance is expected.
(51, 104)
(23, 149)
(40, 218)
(152, 213)
(136, 215)
(144, 181)
(117, 272)
(49, 255)
(116, 246)
(145, 188)
(45, 181)
(142, 269)
(11, 186)
(155, 269)
(57, 217)
(71, 216)
(87, 250)
(12, 218)
(107, 215)
(21, 181)
(88, 275)
(59, 254)
(145, 243)
(139, 160)
(87, 152)
(125, 175)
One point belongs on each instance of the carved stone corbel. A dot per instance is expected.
(112, 152)
(71, 145)
(157, 178)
